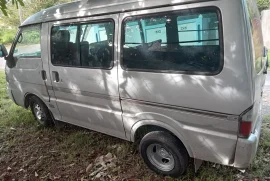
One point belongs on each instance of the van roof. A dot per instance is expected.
(97, 7)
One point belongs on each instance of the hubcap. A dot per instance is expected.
(38, 112)
(160, 157)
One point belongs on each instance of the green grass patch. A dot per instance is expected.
(7, 36)
(11, 114)
(267, 119)
(261, 164)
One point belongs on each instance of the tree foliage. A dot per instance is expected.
(263, 4)
(4, 4)
(10, 21)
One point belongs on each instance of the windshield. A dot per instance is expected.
(28, 42)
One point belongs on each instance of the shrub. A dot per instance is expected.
(7, 36)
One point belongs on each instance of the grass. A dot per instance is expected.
(10, 114)
(261, 164)
(65, 153)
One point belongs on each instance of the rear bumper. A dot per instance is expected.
(246, 148)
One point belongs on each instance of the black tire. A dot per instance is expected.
(46, 119)
(172, 145)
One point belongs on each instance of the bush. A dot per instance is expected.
(31, 37)
(263, 4)
(7, 36)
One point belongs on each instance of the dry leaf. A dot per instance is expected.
(89, 167)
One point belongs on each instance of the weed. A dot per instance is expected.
(11, 114)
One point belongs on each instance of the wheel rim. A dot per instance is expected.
(160, 157)
(38, 113)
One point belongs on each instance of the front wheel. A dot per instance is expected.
(40, 112)
(164, 153)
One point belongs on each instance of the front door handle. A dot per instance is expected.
(55, 76)
(43, 75)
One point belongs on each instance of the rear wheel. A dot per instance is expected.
(40, 112)
(164, 153)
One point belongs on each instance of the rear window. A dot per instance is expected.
(257, 36)
(188, 41)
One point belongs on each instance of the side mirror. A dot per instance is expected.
(3, 51)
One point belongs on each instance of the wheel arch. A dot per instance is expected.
(145, 126)
(27, 97)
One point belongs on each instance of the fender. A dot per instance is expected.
(30, 93)
(162, 125)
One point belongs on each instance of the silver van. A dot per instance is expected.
(183, 78)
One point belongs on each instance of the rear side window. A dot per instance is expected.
(88, 45)
(189, 41)
(257, 36)
(28, 43)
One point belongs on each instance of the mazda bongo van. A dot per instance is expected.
(183, 78)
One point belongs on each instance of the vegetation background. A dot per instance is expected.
(15, 14)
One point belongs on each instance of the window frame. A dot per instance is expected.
(84, 23)
(193, 10)
(17, 38)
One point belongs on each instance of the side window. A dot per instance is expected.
(133, 36)
(84, 45)
(257, 37)
(155, 29)
(97, 45)
(198, 29)
(28, 43)
(187, 41)
(65, 46)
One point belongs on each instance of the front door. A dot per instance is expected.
(83, 69)
(26, 75)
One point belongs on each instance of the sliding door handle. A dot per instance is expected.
(55, 76)
(43, 75)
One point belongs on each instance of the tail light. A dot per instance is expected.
(246, 120)
(245, 129)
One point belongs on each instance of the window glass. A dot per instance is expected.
(83, 45)
(97, 45)
(28, 43)
(257, 37)
(133, 34)
(199, 29)
(65, 47)
(187, 41)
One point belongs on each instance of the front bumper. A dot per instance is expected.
(246, 148)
